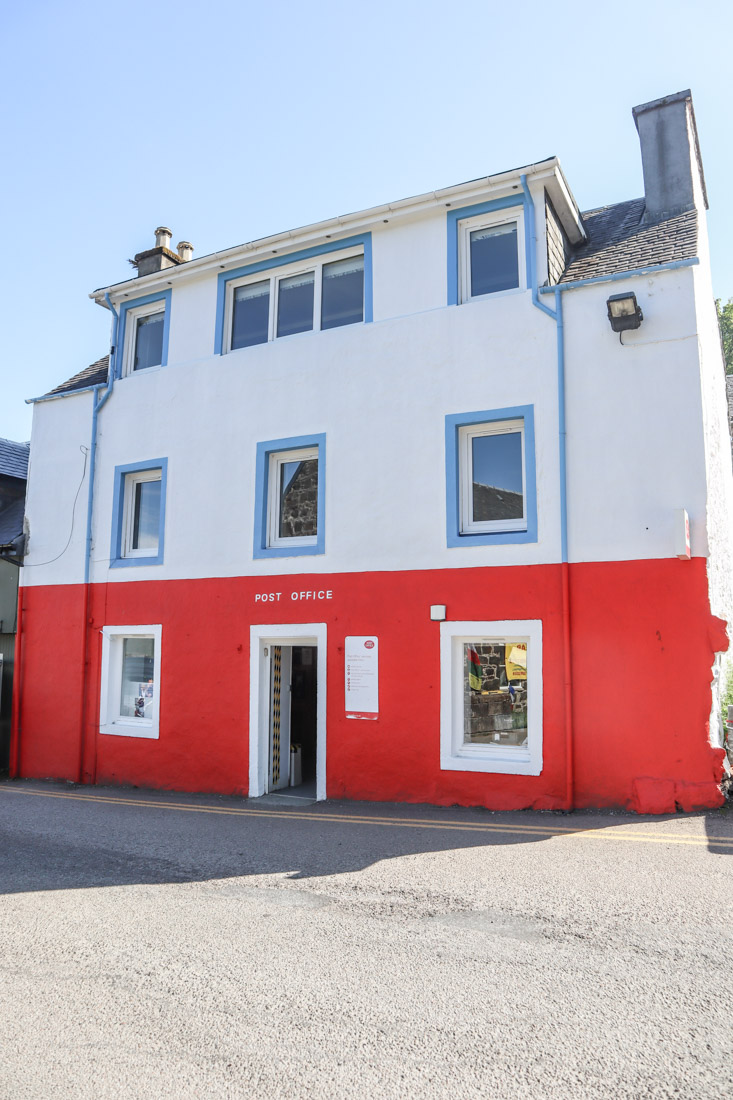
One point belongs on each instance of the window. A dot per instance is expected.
(486, 250)
(324, 294)
(144, 332)
(290, 479)
(491, 696)
(490, 472)
(139, 513)
(130, 680)
(323, 287)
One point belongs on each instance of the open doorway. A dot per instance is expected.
(288, 711)
(292, 748)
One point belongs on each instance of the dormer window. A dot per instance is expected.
(295, 298)
(492, 255)
(144, 332)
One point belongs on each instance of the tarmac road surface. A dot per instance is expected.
(191, 946)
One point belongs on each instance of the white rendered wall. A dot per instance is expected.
(60, 429)
(634, 445)
(381, 392)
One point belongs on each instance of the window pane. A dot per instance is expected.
(298, 499)
(496, 475)
(138, 683)
(342, 301)
(295, 304)
(495, 693)
(251, 314)
(149, 341)
(494, 259)
(146, 515)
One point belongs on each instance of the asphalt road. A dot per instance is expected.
(163, 945)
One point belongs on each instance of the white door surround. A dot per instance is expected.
(261, 638)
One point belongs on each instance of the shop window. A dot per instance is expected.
(130, 680)
(290, 506)
(491, 696)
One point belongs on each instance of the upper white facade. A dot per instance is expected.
(645, 427)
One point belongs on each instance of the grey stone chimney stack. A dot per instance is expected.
(670, 156)
(158, 258)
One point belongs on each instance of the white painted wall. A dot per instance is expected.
(56, 472)
(381, 392)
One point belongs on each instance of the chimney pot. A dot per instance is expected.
(162, 237)
(185, 251)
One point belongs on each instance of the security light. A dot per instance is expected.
(624, 312)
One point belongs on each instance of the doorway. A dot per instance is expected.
(288, 710)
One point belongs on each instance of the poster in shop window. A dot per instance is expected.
(362, 677)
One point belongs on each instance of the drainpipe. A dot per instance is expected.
(557, 317)
(100, 395)
(15, 730)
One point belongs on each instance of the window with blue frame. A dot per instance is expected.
(290, 497)
(144, 325)
(490, 477)
(138, 517)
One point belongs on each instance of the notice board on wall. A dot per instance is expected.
(362, 676)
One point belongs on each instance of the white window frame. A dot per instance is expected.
(275, 276)
(501, 759)
(110, 719)
(134, 315)
(485, 221)
(128, 513)
(276, 461)
(466, 435)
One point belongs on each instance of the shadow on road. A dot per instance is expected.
(57, 837)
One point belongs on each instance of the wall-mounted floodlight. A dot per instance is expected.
(624, 312)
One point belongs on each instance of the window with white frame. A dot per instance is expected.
(144, 332)
(312, 295)
(492, 477)
(292, 510)
(129, 705)
(141, 514)
(491, 696)
(492, 255)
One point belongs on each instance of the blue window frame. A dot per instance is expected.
(127, 338)
(138, 513)
(260, 301)
(455, 246)
(495, 502)
(280, 462)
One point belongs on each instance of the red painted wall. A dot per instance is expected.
(643, 643)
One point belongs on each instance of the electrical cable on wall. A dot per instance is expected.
(85, 451)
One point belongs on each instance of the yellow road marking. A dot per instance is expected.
(394, 822)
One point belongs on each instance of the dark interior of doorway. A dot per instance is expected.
(303, 724)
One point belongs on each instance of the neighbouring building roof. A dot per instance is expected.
(11, 520)
(93, 375)
(618, 240)
(14, 459)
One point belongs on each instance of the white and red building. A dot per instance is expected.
(393, 489)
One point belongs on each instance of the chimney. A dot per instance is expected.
(185, 251)
(670, 156)
(158, 258)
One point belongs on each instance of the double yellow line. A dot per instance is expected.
(621, 833)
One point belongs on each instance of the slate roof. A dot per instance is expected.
(14, 459)
(93, 375)
(619, 241)
(11, 521)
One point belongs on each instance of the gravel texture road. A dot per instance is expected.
(171, 945)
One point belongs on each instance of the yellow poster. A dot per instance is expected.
(516, 661)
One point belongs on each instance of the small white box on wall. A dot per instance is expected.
(682, 534)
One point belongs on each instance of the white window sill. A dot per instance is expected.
(498, 761)
(131, 729)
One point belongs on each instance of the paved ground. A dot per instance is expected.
(160, 945)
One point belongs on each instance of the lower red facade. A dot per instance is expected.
(642, 638)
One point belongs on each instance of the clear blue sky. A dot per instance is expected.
(232, 120)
